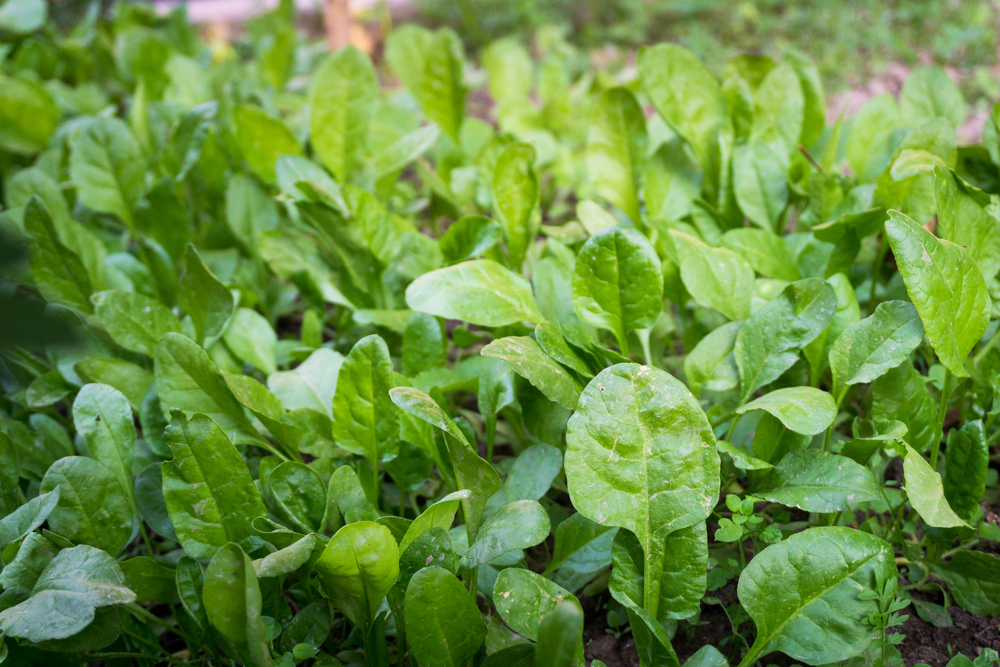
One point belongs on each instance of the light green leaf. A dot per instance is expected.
(469, 237)
(343, 96)
(617, 283)
(135, 321)
(805, 410)
(203, 297)
(233, 603)
(263, 139)
(515, 195)
(102, 415)
(209, 494)
(442, 91)
(616, 150)
(946, 287)
(22, 17)
(803, 594)
(287, 560)
(439, 515)
(108, 168)
(251, 338)
(28, 115)
(925, 491)
(443, 624)
(310, 385)
(59, 273)
(779, 108)
(929, 93)
(479, 291)
(760, 184)
(72, 587)
(875, 133)
(529, 361)
(523, 598)
(632, 425)
(769, 254)
(964, 220)
(93, 507)
(710, 365)
(717, 278)
(868, 349)
(29, 516)
(817, 481)
(365, 421)
(250, 210)
(517, 525)
(357, 568)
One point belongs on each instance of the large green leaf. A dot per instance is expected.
(344, 92)
(58, 271)
(530, 362)
(28, 115)
(964, 220)
(640, 454)
(66, 596)
(779, 108)
(803, 594)
(515, 195)
(442, 92)
(617, 283)
(250, 337)
(443, 624)
(263, 139)
(901, 394)
(583, 549)
(769, 343)
(209, 494)
(974, 579)
(108, 168)
(560, 635)
(805, 410)
(769, 254)
(135, 321)
(711, 365)
(479, 291)
(875, 132)
(946, 287)
(966, 468)
(203, 297)
(929, 93)
(250, 210)
(817, 481)
(233, 603)
(616, 150)
(760, 184)
(716, 278)
(517, 525)
(868, 349)
(103, 417)
(93, 507)
(357, 568)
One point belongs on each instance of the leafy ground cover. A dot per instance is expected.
(308, 361)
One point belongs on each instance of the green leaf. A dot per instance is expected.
(233, 603)
(345, 488)
(769, 343)
(150, 580)
(479, 291)
(287, 560)
(135, 321)
(28, 115)
(311, 385)
(901, 395)
(469, 237)
(925, 491)
(517, 525)
(634, 424)
(929, 93)
(848, 312)
(149, 499)
(425, 345)
(711, 365)
(365, 421)
(717, 278)
(651, 640)
(868, 349)
(357, 568)
(266, 407)
(973, 578)
(523, 598)
(443, 624)
(203, 297)
(103, 417)
(803, 594)
(9, 475)
(769, 254)
(946, 287)
(472, 473)
(518, 655)
(529, 361)
(515, 195)
(560, 636)
(804, 410)
(29, 516)
(190, 580)
(583, 549)
(875, 133)
(760, 184)
(966, 468)
(439, 515)
(33, 554)
(208, 490)
(779, 108)
(551, 339)
(65, 598)
(964, 220)
(251, 338)
(250, 210)
(617, 283)
(673, 181)
(58, 271)
(22, 17)
(263, 139)
(616, 150)
(442, 91)
(299, 496)
(93, 507)
(817, 481)
(687, 95)
(684, 565)
(108, 168)
(343, 96)
(742, 458)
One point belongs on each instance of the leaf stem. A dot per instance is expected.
(946, 392)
